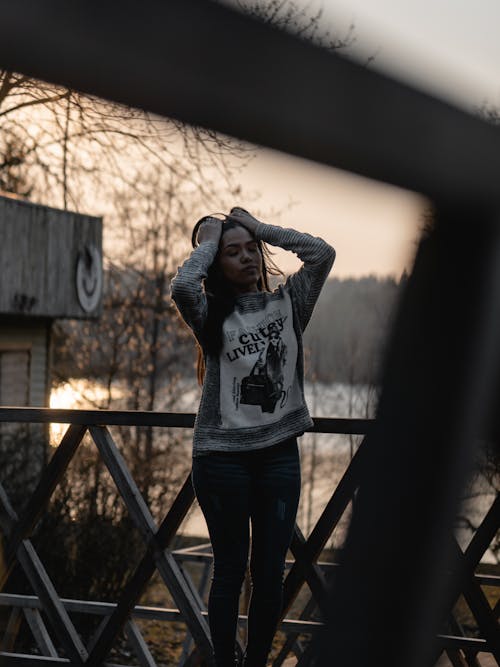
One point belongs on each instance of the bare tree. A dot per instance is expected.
(297, 19)
(75, 149)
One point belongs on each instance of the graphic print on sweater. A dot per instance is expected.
(258, 382)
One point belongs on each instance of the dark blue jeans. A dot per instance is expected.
(234, 489)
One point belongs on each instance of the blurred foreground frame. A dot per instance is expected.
(203, 64)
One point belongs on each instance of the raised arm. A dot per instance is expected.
(187, 286)
(315, 253)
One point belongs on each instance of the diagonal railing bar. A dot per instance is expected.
(485, 615)
(306, 656)
(467, 562)
(187, 603)
(59, 619)
(455, 654)
(200, 592)
(165, 563)
(44, 589)
(124, 481)
(103, 641)
(194, 659)
(479, 606)
(471, 557)
(483, 535)
(189, 606)
(40, 632)
(471, 659)
(139, 646)
(470, 655)
(176, 515)
(337, 504)
(326, 524)
(292, 641)
(456, 658)
(465, 565)
(312, 573)
(44, 489)
(8, 516)
(292, 644)
(11, 630)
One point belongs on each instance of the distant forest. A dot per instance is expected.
(345, 339)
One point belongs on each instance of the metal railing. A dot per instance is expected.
(57, 640)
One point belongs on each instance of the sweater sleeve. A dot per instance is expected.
(187, 286)
(317, 257)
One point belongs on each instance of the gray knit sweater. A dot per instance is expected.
(253, 392)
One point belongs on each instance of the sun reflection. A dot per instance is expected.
(78, 394)
(62, 396)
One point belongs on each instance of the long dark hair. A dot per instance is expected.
(220, 297)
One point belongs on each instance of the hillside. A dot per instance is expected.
(346, 335)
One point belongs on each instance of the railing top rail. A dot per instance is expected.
(145, 418)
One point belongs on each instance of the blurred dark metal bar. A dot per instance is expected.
(437, 393)
(199, 62)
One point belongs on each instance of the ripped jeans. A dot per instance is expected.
(233, 489)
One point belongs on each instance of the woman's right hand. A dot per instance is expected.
(210, 230)
(244, 218)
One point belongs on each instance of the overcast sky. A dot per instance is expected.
(449, 48)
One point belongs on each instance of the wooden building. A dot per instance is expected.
(50, 268)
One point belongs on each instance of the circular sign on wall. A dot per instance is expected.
(89, 278)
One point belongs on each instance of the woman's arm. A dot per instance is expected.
(315, 253)
(317, 256)
(187, 286)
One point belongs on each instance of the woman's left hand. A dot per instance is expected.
(244, 218)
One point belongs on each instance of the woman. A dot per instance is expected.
(245, 458)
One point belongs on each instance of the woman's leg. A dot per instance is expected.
(222, 485)
(275, 496)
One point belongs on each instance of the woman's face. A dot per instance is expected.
(240, 260)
